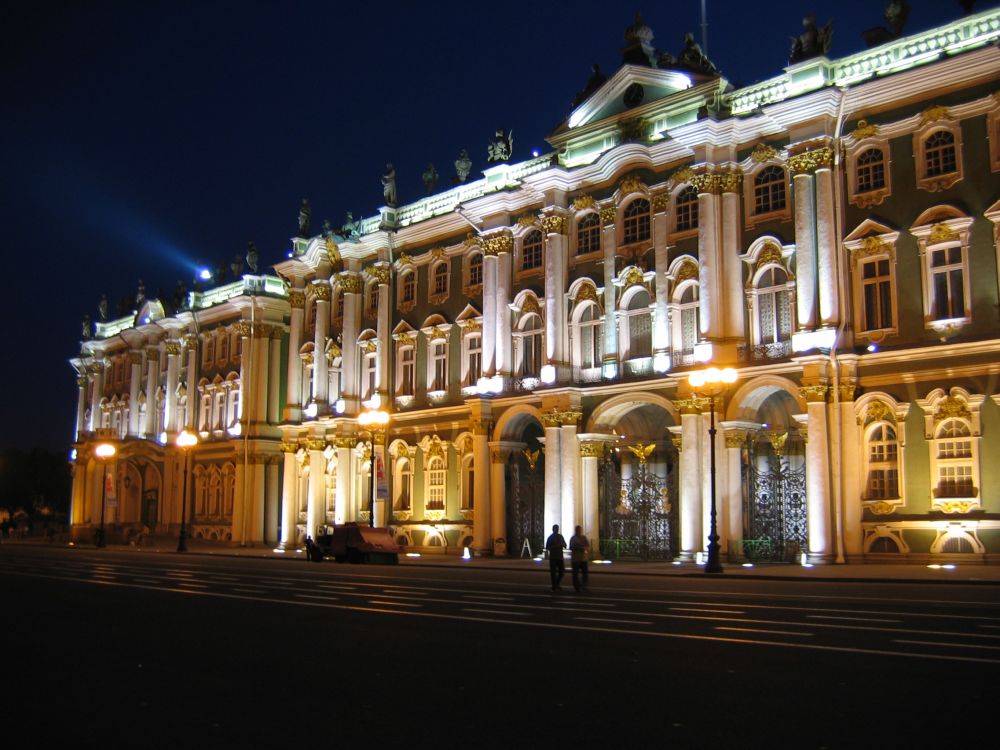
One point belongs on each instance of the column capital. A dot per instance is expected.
(809, 161)
(135, 357)
(153, 353)
(297, 298)
(551, 418)
(495, 244)
(592, 449)
(172, 347)
(347, 282)
(735, 438)
(570, 418)
(286, 447)
(553, 223)
(315, 444)
(608, 216)
(481, 426)
(693, 405)
(320, 291)
(814, 393)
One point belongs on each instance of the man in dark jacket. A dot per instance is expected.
(555, 545)
(579, 550)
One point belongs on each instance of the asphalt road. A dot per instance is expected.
(127, 645)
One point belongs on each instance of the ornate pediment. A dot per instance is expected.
(642, 84)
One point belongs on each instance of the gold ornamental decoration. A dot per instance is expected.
(706, 183)
(320, 291)
(528, 220)
(642, 452)
(814, 393)
(631, 184)
(608, 215)
(379, 273)
(404, 260)
(882, 508)
(135, 358)
(481, 426)
(592, 449)
(437, 252)
(660, 202)
(344, 442)
(763, 153)
(437, 334)
(729, 182)
(500, 243)
(633, 276)
(809, 161)
(682, 175)
(941, 232)
(288, 447)
(404, 339)
(955, 506)
(551, 419)
(369, 346)
(771, 253)
(472, 324)
(735, 438)
(314, 444)
(777, 441)
(152, 355)
(864, 130)
(586, 292)
(933, 114)
(570, 418)
(584, 202)
(172, 347)
(297, 298)
(693, 405)
(530, 305)
(678, 442)
(554, 224)
(532, 457)
(871, 245)
(688, 270)
(349, 283)
(879, 411)
(952, 408)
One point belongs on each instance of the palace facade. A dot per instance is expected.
(832, 233)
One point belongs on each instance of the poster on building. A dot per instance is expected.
(110, 499)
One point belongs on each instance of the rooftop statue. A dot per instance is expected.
(85, 328)
(638, 49)
(236, 267)
(895, 16)
(252, 256)
(967, 5)
(140, 294)
(102, 308)
(180, 295)
(596, 80)
(389, 185)
(694, 59)
(351, 228)
(812, 42)
(463, 165)
(430, 178)
(327, 230)
(304, 214)
(501, 147)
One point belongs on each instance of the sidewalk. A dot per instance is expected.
(876, 573)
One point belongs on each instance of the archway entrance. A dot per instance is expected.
(525, 501)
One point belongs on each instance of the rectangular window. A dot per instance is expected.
(440, 362)
(371, 375)
(474, 365)
(947, 283)
(877, 294)
(406, 371)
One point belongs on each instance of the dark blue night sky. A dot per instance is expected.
(143, 138)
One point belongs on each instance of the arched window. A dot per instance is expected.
(686, 209)
(435, 483)
(939, 154)
(529, 345)
(588, 234)
(954, 459)
(774, 307)
(468, 484)
(200, 492)
(228, 488)
(636, 221)
(638, 324)
(440, 279)
(531, 251)
(214, 492)
(870, 170)
(591, 329)
(688, 306)
(408, 288)
(407, 370)
(769, 190)
(476, 269)
(883, 463)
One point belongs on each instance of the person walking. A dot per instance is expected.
(579, 550)
(555, 545)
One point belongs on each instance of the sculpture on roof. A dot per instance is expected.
(85, 328)
(327, 230)
(351, 228)
(102, 308)
(967, 5)
(430, 178)
(638, 49)
(304, 214)
(812, 42)
(596, 80)
(501, 147)
(463, 165)
(389, 185)
(236, 267)
(140, 295)
(895, 16)
(252, 256)
(694, 59)
(180, 295)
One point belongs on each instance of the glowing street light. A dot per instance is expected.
(376, 421)
(185, 441)
(712, 382)
(103, 451)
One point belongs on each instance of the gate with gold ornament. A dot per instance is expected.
(774, 497)
(639, 512)
(525, 502)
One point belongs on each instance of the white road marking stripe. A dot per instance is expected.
(393, 604)
(317, 596)
(497, 612)
(547, 625)
(948, 645)
(192, 585)
(991, 627)
(610, 619)
(760, 630)
(487, 596)
(853, 619)
(145, 580)
(708, 611)
(336, 586)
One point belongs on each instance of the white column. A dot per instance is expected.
(572, 515)
(692, 538)
(556, 247)
(734, 436)
(81, 405)
(134, 387)
(552, 513)
(350, 287)
(258, 388)
(152, 384)
(609, 249)
(293, 393)
(321, 378)
(97, 391)
(482, 532)
(289, 498)
(732, 271)
(504, 359)
(721, 477)
(343, 512)
(591, 452)
(489, 313)
(272, 500)
(316, 508)
(191, 420)
(852, 481)
(499, 456)
(274, 377)
(173, 349)
(709, 298)
(244, 331)
(826, 249)
(819, 541)
(661, 319)
(805, 251)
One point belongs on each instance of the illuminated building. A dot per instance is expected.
(832, 233)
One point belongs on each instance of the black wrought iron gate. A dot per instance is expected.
(639, 514)
(525, 502)
(774, 495)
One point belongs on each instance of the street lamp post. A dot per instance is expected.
(376, 421)
(103, 451)
(185, 441)
(712, 382)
